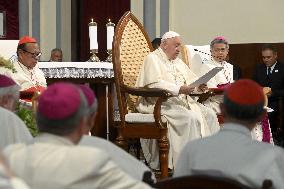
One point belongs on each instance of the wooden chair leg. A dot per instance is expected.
(120, 141)
(164, 154)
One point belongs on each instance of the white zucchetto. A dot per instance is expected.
(170, 34)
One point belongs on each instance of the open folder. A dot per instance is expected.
(206, 77)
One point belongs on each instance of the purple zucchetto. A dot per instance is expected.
(221, 38)
(89, 94)
(6, 81)
(59, 101)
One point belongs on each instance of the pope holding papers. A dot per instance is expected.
(186, 119)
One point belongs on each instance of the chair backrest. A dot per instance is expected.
(193, 56)
(205, 182)
(131, 45)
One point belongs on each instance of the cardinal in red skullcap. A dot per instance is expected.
(28, 75)
(232, 152)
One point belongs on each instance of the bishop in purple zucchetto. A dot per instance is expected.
(59, 101)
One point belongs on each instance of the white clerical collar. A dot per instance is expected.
(163, 54)
(25, 68)
(218, 63)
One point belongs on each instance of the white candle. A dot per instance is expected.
(110, 34)
(93, 35)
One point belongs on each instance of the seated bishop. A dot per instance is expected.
(219, 48)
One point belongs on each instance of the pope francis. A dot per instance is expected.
(186, 119)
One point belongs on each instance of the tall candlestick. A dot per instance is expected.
(110, 34)
(93, 35)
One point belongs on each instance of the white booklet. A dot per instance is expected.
(206, 77)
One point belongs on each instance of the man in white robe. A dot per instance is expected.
(124, 160)
(55, 160)
(186, 118)
(232, 152)
(7, 179)
(219, 49)
(27, 73)
(13, 129)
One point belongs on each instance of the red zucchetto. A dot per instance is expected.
(59, 101)
(245, 92)
(27, 39)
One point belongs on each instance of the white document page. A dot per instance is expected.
(206, 77)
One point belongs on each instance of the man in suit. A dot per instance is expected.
(270, 75)
(232, 152)
(55, 160)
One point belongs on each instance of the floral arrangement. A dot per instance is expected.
(7, 64)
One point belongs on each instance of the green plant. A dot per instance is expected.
(28, 117)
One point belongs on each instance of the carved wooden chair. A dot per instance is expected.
(205, 182)
(130, 46)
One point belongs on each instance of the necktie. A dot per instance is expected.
(269, 76)
(268, 71)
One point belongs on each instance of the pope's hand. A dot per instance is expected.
(202, 88)
(186, 89)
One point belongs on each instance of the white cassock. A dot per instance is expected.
(225, 76)
(11, 183)
(27, 78)
(12, 129)
(186, 119)
(55, 162)
(124, 160)
(233, 153)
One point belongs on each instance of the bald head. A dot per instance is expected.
(9, 93)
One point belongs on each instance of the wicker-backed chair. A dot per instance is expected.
(130, 46)
(205, 182)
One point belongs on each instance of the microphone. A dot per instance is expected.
(202, 52)
(215, 57)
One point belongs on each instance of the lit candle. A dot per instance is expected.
(110, 34)
(93, 35)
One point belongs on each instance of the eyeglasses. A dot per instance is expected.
(222, 50)
(34, 55)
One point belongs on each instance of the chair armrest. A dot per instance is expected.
(146, 92)
(162, 96)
